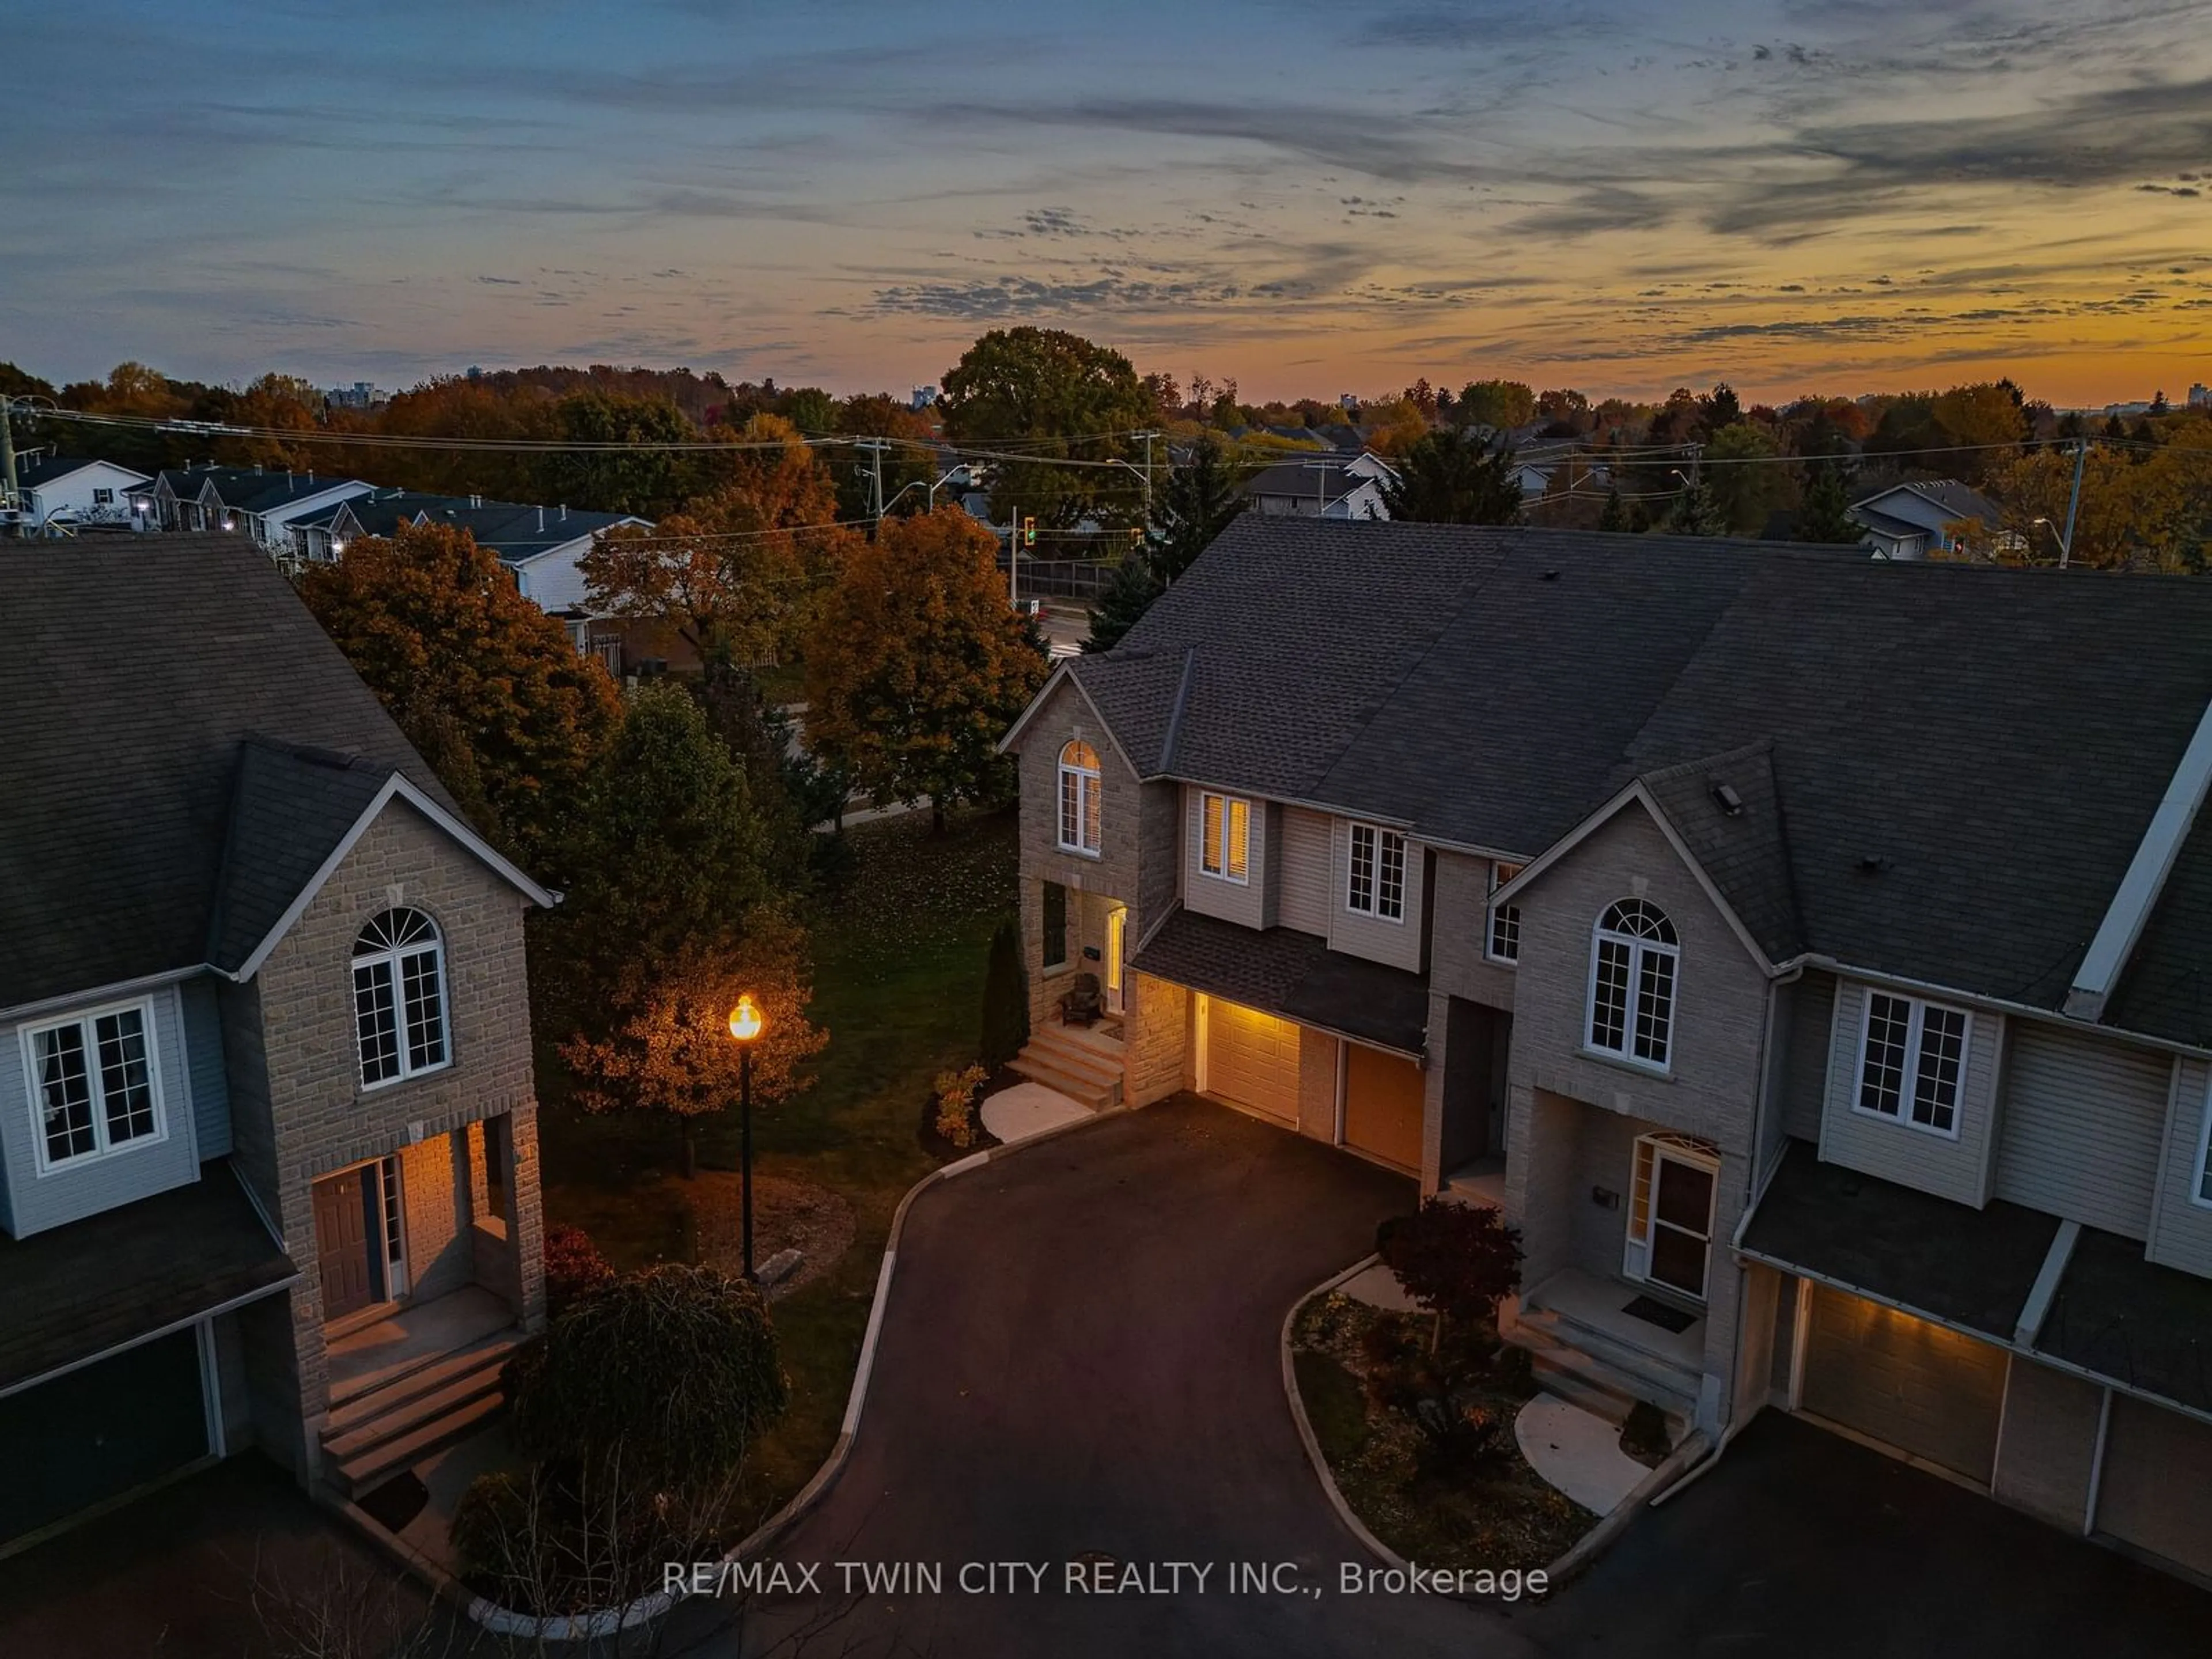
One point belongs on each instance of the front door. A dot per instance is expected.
(1117, 927)
(1681, 1225)
(341, 1241)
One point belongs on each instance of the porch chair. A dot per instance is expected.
(1081, 1006)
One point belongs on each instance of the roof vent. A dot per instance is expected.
(541, 520)
(1731, 804)
(1549, 576)
(1873, 864)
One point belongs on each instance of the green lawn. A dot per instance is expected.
(899, 983)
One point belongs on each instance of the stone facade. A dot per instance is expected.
(300, 1113)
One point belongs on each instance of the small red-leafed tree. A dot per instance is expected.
(1455, 1260)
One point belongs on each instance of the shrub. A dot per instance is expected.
(491, 1518)
(1464, 1441)
(1005, 998)
(956, 1100)
(1455, 1260)
(1644, 1436)
(572, 1266)
(663, 1378)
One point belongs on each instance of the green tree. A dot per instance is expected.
(1615, 515)
(485, 683)
(918, 665)
(1695, 512)
(1825, 516)
(1455, 1260)
(1450, 477)
(669, 852)
(641, 476)
(1498, 405)
(1748, 484)
(1200, 500)
(1049, 388)
(1005, 998)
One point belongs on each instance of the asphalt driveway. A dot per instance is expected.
(1080, 1361)
(1802, 1542)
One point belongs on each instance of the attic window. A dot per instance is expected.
(1730, 803)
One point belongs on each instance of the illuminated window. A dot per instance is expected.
(1080, 799)
(1912, 1057)
(1632, 962)
(1224, 834)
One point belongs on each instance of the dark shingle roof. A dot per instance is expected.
(1966, 1267)
(290, 810)
(1294, 974)
(140, 666)
(1744, 846)
(29, 475)
(75, 1291)
(2133, 1321)
(1960, 760)
(248, 489)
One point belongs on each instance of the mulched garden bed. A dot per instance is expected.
(1422, 1446)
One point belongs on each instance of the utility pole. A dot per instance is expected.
(877, 446)
(1148, 437)
(2073, 502)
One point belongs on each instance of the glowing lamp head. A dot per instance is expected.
(745, 1020)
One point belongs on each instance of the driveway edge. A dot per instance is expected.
(609, 1621)
(1374, 1545)
(1594, 1542)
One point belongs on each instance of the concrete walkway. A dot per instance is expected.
(1378, 1287)
(1578, 1452)
(1029, 1109)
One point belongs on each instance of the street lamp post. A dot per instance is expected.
(746, 1024)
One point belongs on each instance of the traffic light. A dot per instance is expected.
(1029, 532)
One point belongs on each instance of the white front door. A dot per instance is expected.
(1117, 927)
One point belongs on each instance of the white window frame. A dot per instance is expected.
(1908, 1083)
(393, 955)
(1638, 949)
(2200, 1181)
(1498, 914)
(1213, 837)
(103, 1149)
(1373, 909)
(1090, 806)
(1635, 1252)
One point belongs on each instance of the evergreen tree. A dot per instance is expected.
(1200, 500)
(1449, 477)
(1615, 515)
(1005, 998)
(1824, 516)
(1695, 512)
(1129, 593)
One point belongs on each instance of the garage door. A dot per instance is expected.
(1921, 1388)
(1252, 1059)
(2158, 1471)
(1382, 1104)
(98, 1431)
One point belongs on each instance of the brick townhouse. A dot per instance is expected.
(268, 1144)
(1807, 952)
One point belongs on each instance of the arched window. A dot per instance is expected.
(399, 997)
(1631, 1002)
(1079, 797)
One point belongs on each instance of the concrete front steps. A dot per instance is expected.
(1085, 1065)
(1587, 1367)
(374, 1433)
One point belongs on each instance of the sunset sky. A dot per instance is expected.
(1840, 195)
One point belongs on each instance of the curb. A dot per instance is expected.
(1692, 1452)
(1353, 1523)
(609, 1621)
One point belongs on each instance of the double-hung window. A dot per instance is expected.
(1632, 962)
(1225, 836)
(1912, 1055)
(399, 997)
(1504, 942)
(94, 1088)
(1374, 882)
(1080, 813)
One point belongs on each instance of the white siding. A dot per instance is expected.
(1242, 902)
(554, 580)
(1895, 1151)
(2181, 1235)
(1397, 943)
(2081, 1128)
(1302, 885)
(74, 1191)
